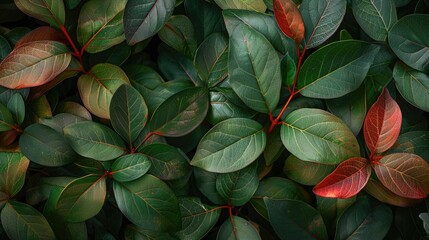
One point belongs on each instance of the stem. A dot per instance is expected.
(66, 33)
(232, 222)
(149, 135)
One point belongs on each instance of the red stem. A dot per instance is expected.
(76, 52)
(232, 222)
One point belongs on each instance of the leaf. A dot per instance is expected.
(408, 39)
(253, 5)
(317, 136)
(425, 218)
(376, 189)
(413, 85)
(49, 11)
(305, 172)
(100, 25)
(6, 119)
(360, 221)
(327, 74)
(289, 19)
(416, 142)
(254, 69)
(144, 19)
(347, 180)
(15, 34)
(382, 124)
(222, 107)
(405, 174)
(149, 203)
(5, 48)
(239, 228)
(133, 232)
(376, 18)
(130, 167)
(61, 120)
(16, 105)
(292, 219)
(45, 146)
(13, 168)
(332, 208)
(206, 184)
(115, 55)
(230, 145)
(42, 33)
(21, 221)
(94, 140)
(238, 187)
(128, 112)
(34, 64)
(197, 218)
(97, 87)
(82, 198)
(180, 113)
(75, 109)
(321, 19)
(288, 68)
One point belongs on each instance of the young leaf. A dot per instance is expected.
(289, 19)
(405, 174)
(16, 105)
(237, 228)
(382, 124)
(180, 113)
(128, 112)
(318, 136)
(97, 87)
(321, 19)
(34, 64)
(253, 5)
(336, 74)
(144, 19)
(49, 11)
(376, 18)
(21, 221)
(292, 219)
(230, 145)
(100, 24)
(13, 167)
(42, 33)
(346, 180)
(94, 140)
(149, 203)
(130, 167)
(6, 119)
(82, 198)
(254, 69)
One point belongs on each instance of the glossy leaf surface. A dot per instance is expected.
(6, 118)
(49, 11)
(130, 167)
(253, 5)
(13, 167)
(16, 105)
(206, 184)
(289, 19)
(42, 33)
(239, 228)
(305, 172)
(382, 193)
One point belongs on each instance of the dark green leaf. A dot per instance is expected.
(375, 82)
(288, 68)
(16, 106)
(222, 108)
(332, 208)
(6, 119)
(70, 4)
(274, 147)
(13, 167)
(6, 94)
(74, 108)
(133, 232)
(230, 145)
(60, 121)
(305, 172)
(254, 5)
(425, 218)
(5, 48)
(416, 142)
(50, 11)
(3, 200)
(206, 183)
(115, 55)
(239, 228)
(130, 167)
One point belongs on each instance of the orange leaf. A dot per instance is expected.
(42, 33)
(289, 19)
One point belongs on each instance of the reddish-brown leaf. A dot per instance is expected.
(346, 180)
(405, 174)
(42, 33)
(382, 123)
(289, 19)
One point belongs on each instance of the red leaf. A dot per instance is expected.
(42, 33)
(346, 180)
(382, 124)
(289, 19)
(383, 194)
(405, 174)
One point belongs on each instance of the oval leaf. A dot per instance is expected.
(383, 194)
(149, 203)
(253, 5)
(382, 123)
(34, 64)
(130, 167)
(405, 174)
(230, 145)
(346, 180)
(16, 105)
(13, 168)
(6, 119)
(50, 11)
(237, 228)
(305, 172)
(94, 140)
(318, 136)
(206, 184)
(42, 33)
(289, 19)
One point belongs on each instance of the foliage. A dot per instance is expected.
(223, 119)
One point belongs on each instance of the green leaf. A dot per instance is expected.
(197, 218)
(45, 146)
(317, 136)
(254, 69)
(82, 198)
(100, 25)
(238, 187)
(144, 19)
(274, 147)
(376, 189)
(128, 112)
(239, 228)
(425, 218)
(230, 145)
(5, 48)
(13, 167)
(180, 113)
(413, 85)
(332, 208)
(49, 11)
(292, 219)
(416, 142)
(149, 203)
(75, 109)
(34, 64)
(133, 232)
(409, 40)
(71, 4)
(4, 198)
(206, 183)
(327, 74)
(305, 172)
(321, 20)
(376, 18)
(97, 87)
(253, 5)
(21, 221)
(288, 68)
(222, 108)
(6, 94)
(115, 55)
(176, 66)
(360, 221)
(61, 120)
(6, 119)
(130, 167)
(94, 140)
(16, 106)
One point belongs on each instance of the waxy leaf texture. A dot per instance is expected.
(289, 19)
